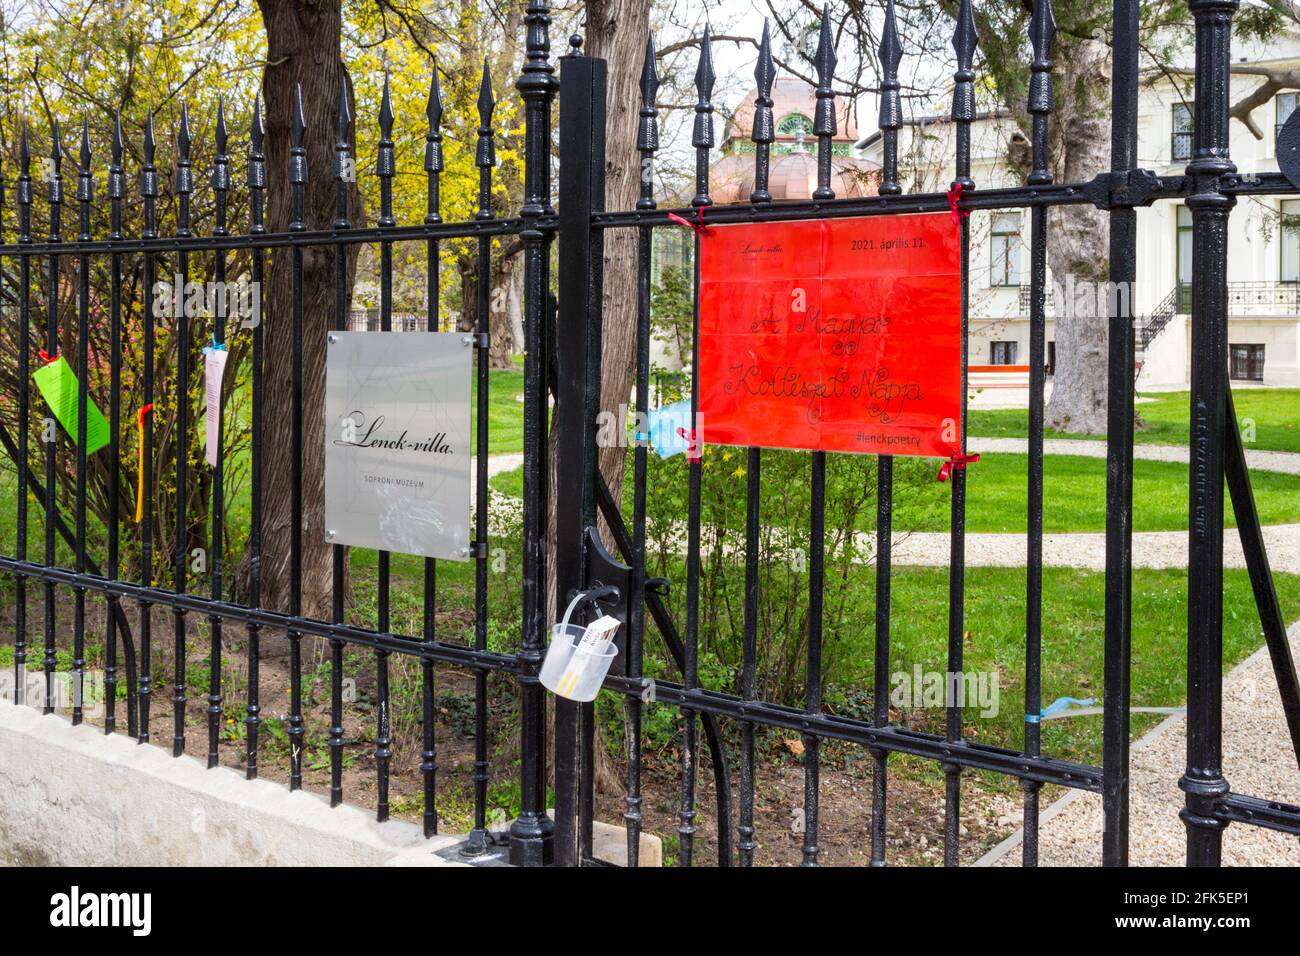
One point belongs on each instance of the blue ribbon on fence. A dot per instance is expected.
(1058, 705)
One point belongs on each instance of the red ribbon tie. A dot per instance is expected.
(954, 463)
(954, 197)
(692, 444)
(144, 410)
(697, 226)
(45, 357)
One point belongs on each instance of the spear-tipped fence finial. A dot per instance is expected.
(297, 137)
(1042, 30)
(85, 182)
(963, 97)
(221, 169)
(963, 43)
(824, 124)
(647, 139)
(116, 179)
(764, 131)
(891, 108)
(485, 156)
(647, 134)
(256, 168)
(702, 134)
(184, 176)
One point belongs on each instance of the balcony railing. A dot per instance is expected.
(1244, 298)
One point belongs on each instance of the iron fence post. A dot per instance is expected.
(532, 834)
(582, 190)
(1119, 446)
(1203, 780)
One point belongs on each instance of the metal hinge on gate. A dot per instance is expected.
(1137, 187)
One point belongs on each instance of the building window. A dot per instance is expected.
(1002, 353)
(796, 124)
(1286, 104)
(1247, 362)
(1183, 278)
(1181, 144)
(1289, 267)
(1004, 250)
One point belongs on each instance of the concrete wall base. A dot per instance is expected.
(71, 796)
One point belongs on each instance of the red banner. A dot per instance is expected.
(832, 335)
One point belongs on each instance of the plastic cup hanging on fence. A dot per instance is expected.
(580, 655)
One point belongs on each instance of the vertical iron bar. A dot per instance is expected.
(116, 192)
(1119, 447)
(532, 834)
(344, 172)
(891, 120)
(220, 186)
(647, 144)
(1203, 781)
(298, 183)
(1042, 30)
(764, 133)
(49, 434)
(963, 113)
(85, 193)
(184, 185)
(485, 159)
(385, 169)
(144, 419)
(702, 141)
(824, 127)
(256, 205)
(428, 740)
(24, 411)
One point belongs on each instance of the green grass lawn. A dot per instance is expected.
(1074, 496)
(505, 415)
(1073, 624)
(1274, 412)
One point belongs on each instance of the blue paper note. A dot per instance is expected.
(665, 438)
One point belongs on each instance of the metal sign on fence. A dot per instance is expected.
(397, 442)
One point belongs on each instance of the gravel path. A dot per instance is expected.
(1287, 462)
(1257, 760)
(1151, 549)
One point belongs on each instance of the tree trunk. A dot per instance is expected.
(501, 337)
(1077, 245)
(302, 50)
(616, 30)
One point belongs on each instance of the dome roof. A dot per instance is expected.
(790, 96)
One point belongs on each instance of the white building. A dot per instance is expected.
(1263, 252)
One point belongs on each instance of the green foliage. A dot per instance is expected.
(672, 311)
(785, 506)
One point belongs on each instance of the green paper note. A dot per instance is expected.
(58, 386)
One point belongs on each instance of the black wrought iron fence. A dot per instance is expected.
(89, 576)
(566, 356)
(1209, 189)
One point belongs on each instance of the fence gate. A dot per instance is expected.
(592, 544)
(1209, 188)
